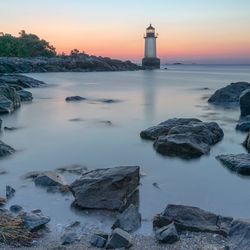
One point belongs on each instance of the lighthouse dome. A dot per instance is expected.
(150, 27)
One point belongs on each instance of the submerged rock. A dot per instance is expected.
(5, 149)
(25, 96)
(75, 98)
(16, 209)
(119, 239)
(129, 220)
(239, 235)
(186, 138)
(10, 192)
(106, 188)
(229, 95)
(34, 220)
(239, 163)
(167, 234)
(187, 218)
(109, 101)
(245, 102)
(48, 179)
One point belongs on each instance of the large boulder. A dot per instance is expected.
(239, 163)
(5, 149)
(129, 220)
(106, 188)
(239, 235)
(245, 103)
(229, 95)
(187, 218)
(186, 138)
(9, 99)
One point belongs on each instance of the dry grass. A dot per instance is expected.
(13, 232)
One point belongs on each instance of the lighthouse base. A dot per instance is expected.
(151, 63)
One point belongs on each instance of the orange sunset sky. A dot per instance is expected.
(192, 31)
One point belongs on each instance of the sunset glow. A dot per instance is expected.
(198, 31)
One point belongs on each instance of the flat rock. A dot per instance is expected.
(239, 235)
(239, 163)
(119, 239)
(75, 98)
(25, 96)
(129, 220)
(184, 137)
(187, 218)
(34, 220)
(5, 149)
(108, 188)
(167, 234)
(245, 102)
(48, 179)
(229, 95)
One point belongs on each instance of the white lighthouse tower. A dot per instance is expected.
(150, 60)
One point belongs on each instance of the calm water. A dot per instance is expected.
(47, 139)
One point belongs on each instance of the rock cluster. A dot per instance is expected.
(81, 63)
(184, 137)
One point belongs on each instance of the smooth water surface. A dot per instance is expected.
(47, 138)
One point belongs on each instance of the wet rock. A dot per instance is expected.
(73, 169)
(129, 220)
(5, 149)
(167, 234)
(244, 124)
(10, 192)
(1, 122)
(69, 238)
(32, 175)
(163, 128)
(245, 102)
(2, 201)
(25, 96)
(34, 220)
(109, 101)
(2, 172)
(75, 99)
(239, 163)
(106, 188)
(186, 138)
(48, 179)
(119, 239)
(99, 239)
(246, 143)
(10, 128)
(187, 218)
(229, 95)
(16, 209)
(9, 99)
(239, 235)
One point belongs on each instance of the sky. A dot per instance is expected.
(190, 31)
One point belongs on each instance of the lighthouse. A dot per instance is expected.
(150, 60)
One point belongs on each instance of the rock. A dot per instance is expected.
(244, 124)
(99, 240)
(239, 163)
(186, 138)
(73, 169)
(5, 149)
(109, 101)
(75, 98)
(106, 188)
(2, 172)
(229, 95)
(32, 175)
(34, 220)
(167, 234)
(129, 220)
(69, 238)
(119, 239)
(2, 201)
(246, 143)
(239, 235)
(187, 218)
(9, 99)
(10, 192)
(16, 209)
(10, 128)
(48, 179)
(163, 128)
(25, 96)
(245, 103)
(1, 122)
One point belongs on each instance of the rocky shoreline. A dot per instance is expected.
(78, 63)
(117, 189)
